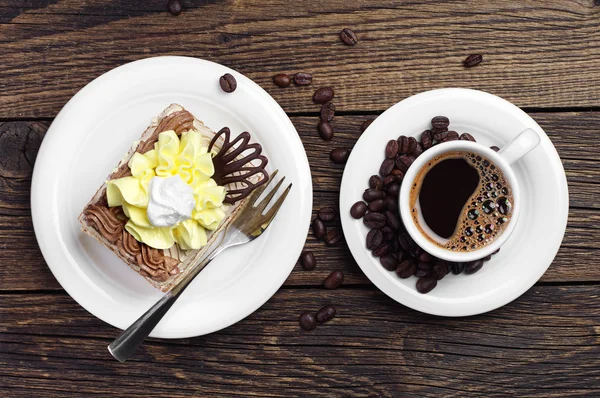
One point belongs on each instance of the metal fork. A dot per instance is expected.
(248, 224)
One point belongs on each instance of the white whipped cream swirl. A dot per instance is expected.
(170, 202)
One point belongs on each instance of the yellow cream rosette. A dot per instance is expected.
(187, 157)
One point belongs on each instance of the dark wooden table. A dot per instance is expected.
(542, 55)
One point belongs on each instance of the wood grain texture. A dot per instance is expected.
(536, 54)
(573, 134)
(546, 343)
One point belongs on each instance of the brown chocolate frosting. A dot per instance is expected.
(233, 164)
(106, 221)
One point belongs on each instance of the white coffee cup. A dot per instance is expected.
(510, 153)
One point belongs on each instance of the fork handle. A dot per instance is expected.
(131, 338)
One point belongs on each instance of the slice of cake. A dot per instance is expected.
(172, 193)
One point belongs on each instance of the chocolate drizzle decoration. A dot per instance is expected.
(234, 165)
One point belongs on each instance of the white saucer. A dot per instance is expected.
(536, 239)
(92, 133)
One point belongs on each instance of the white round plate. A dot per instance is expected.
(536, 239)
(93, 132)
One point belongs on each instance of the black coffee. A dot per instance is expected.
(464, 199)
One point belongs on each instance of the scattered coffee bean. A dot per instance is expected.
(452, 136)
(440, 135)
(375, 182)
(388, 233)
(494, 148)
(440, 123)
(374, 220)
(333, 237)
(339, 155)
(327, 213)
(382, 250)
(386, 167)
(412, 144)
(228, 83)
(326, 313)
(393, 189)
(406, 269)
(392, 220)
(487, 258)
(175, 7)
(423, 269)
(391, 149)
(358, 209)
(302, 79)
(426, 139)
(398, 176)
(319, 229)
(426, 284)
(403, 163)
(440, 271)
(458, 268)
(365, 125)
(377, 205)
(308, 261)
(472, 60)
(325, 130)
(334, 280)
(426, 258)
(389, 179)
(322, 95)
(282, 80)
(327, 111)
(391, 203)
(308, 321)
(406, 242)
(417, 151)
(374, 239)
(466, 137)
(389, 262)
(348, 37)
(403, 145)
(371, 194)
(496, 252)
(473, 266)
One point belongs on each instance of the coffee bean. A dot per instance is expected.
(426, 258)
(398, 176)
(327, 213)
(325, 130)
(426, 284)
(389, 262)
(391, 149)
(426, 139)
(319, 229)
(458, 268)
(333, 237)
(382, 250)
(440, 271)
(302, 79)
(440, 123)
(308, 321)
(466, 137)
(487, 258)
(308, 261)
(452, 136)
(392, 220)
(358, 209)
(417, 151)
(473, 266)
(402, 144)
(440, 135)
(412, 144)
(387, 233)
(406, 269)
(472, 60)
(175, 7)
(348, 37)
(334, 280)
(375, 182)
(423, 269)
(371, 194)
(377, 205)
(365, 125)
(393, 189)
(494, 148)
(496, 251)
(374, 220)
(322, 95)
(403, 163)
(228, 83)
(389, 179)
(390, 203)
(405, 242)
(339, 155)
(374, 239)
(326, 313)
(327, 111)
(282, 80)
(394, 246)
(386, 167)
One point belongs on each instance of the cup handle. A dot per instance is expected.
(520, 146)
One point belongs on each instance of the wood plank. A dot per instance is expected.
(577, 260)
(536, 54)
(544, 341)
